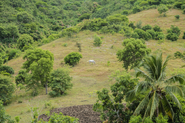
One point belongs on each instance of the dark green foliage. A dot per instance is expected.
(178, 4)
(125, 12)
(60, 118)
(131, 24)
(156, 28)
(6, 89)
(173, 33)
(24, 40)
(147, 27)
(183, 6)
(159, 36)
(60, 82)
(84, 16)
(142, 34)
(108, 104)
(7, 69)
(73, 58)
(97, 41)
(21, 77)
(178, 55)
(133, 52)
(177, 16)
(24, 17)
(12, 53)
(183, 36)
(152, 33)
(183, 11)
(136, 9)
(3, 117)
(135, 35)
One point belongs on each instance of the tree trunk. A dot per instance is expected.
(46, 85)
(157, 111)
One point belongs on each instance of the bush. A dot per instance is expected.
(178, 55)
(147, 27)
(159, 36)
(60, 82)
(60, 118)
(177, 16)
(24, 17)
(139, 24)
(84, 16)
(162, 9)
(178, 5)
(24, 40)
(173, 33)
(183, 6)
(12, 53)
(152, 33)
(183, 36)
(8, 69)
(6, 89)
(183, 11)
(172, 37)
(131, 24)
(21, 77)
(97, 41)
(72, 58)
(156, 28)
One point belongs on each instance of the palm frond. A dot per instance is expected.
(147, 111)
(177, 78)
(174, 98)
(167, 107)
(130, 96)
(140, 73)
(177, 89)
(154, 105)
(141, 105)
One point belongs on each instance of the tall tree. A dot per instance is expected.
(39, 63)
(157, 89)
(132, 53)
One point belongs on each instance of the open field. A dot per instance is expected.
(88, 78)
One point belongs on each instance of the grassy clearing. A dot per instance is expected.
(88, 78)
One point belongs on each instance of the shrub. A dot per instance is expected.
(8, 69)
(147, 27)
(183, 36)
(60, 118)
(156, 28)
(6, 89)
(152, 33)
(131, 24)
(24, 17)
(172, 37)
(177, 16)
(20, 78)
(183, 11)
(12, 53)
(84, 16)
(183, 6)
(136, 9)
(173, 33)
(178, 4)
(23, 40)
(178, 55)
(72, 58)
(97, 41)
(60, 82)
(117, 19)
(159, 36)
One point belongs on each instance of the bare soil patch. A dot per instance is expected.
(84, 113)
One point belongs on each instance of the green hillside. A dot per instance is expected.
(58, 25)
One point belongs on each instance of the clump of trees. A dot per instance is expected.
(162, 9)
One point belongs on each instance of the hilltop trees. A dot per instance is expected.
(132, 53)
(39, 64)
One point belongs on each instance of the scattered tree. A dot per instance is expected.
(39, 63)
(60, 82)
(97, 41)
(177, 16)
(73, 58)
(133, 52)
(173, 33)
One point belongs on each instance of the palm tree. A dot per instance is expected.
(156, 87)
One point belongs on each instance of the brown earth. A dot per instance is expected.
(84, 113)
